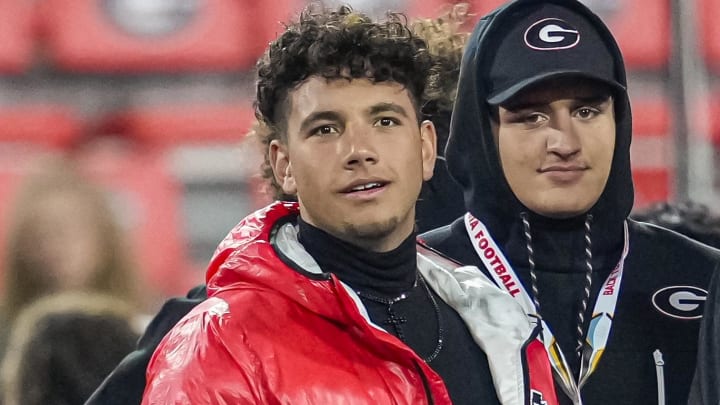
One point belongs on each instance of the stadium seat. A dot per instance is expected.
(158, 35)
(641, 27)
(147, 199)
(46, 126)
(714, 116)
(172, 125)
(16, 36)
(651, 151)
(203, 147)
(651, 186)
(708, 10)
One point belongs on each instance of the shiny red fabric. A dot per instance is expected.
(269, 334)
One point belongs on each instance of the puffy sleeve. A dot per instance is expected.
(204, 360)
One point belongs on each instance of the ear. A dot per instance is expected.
(428, 138)
(281, 166)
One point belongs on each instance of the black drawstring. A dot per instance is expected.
(531, 260)
(588, 285)
(588, 276)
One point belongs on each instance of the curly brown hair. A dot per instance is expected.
(335, 44)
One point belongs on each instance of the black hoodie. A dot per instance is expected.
(665, 277)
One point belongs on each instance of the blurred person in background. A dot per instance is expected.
(329, 299)
(440, 198)
(63, 236)
(63, 345)
(692, 219)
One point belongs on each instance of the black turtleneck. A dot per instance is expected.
(461, 363)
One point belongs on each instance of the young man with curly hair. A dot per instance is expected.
(440, 198)
(329, 299)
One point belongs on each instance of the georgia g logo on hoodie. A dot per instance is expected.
(551, 34)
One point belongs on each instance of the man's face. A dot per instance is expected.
(356, 158)
(556, 144)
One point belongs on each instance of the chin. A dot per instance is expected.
(563, 211)
(371, 230)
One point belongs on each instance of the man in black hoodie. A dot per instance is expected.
(540, 143)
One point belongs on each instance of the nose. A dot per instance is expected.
(564, 139)
(359, 147)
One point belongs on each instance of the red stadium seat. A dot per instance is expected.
(168, 126)
(651, 186)
(16, 35)
(651, 152)
(707, 12)
(159, 36)
(148, 202)
(203, 147)
(39, 125)
(641, 27)
(714, 116)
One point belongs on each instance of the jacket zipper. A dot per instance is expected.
(659, 371)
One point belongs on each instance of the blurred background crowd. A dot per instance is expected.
(124, 158)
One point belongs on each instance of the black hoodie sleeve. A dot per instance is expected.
(705, 389)
(126, 383)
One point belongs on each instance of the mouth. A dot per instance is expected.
(563, 168)
(365, 187)
(564, 174)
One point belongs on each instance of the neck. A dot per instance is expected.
(386, 272)
(559, 244)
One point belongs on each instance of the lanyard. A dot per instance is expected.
(600, 324)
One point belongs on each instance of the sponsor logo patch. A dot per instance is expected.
(680, 301)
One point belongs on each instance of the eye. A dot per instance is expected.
(525, 117)
(533, 118)
(586, 112)
(324, 130)
(386, 122)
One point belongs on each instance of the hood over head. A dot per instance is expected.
(520, 44)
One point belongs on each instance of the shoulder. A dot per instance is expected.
(668, 258)
(171, 312)
(657, 238)
(445, 237)
(451, 240)
(198, 356)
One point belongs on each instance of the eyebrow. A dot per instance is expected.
(319, 116)
(594, 99)
(335, 116)
(385, 107)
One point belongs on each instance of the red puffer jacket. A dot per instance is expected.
(270, 333)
